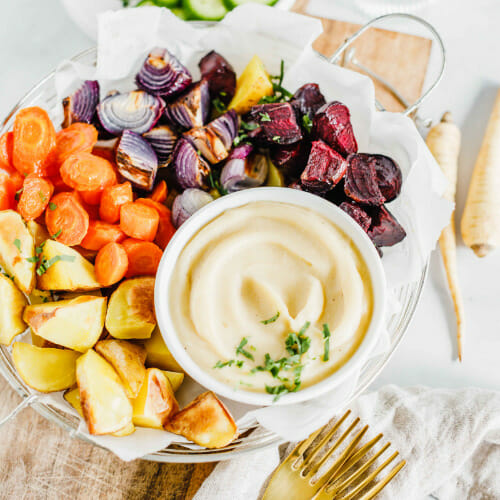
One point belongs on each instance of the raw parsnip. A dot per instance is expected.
(443, 141)
(481, 217)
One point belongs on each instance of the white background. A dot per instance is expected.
(36, 35)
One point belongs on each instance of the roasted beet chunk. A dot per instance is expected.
(332, 124)
(220, 76)
(324, 169)
(276, 122)
(361, 183)
(307, 100)
(357, 213)
(389, 176)
(385, 230)
(291, 159)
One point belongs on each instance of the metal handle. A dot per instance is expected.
(23, 404)
(410, 107)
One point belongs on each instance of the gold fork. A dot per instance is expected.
(351, 476)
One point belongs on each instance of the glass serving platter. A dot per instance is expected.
(44, 95)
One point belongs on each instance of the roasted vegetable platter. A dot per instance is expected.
(89, 209)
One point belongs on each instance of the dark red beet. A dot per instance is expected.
(361, 182)
(337, 194)
(385, 230)
(291, 159)
(357, 213)
(277, 124)
(220, 76)
(307, 100)
(332, 124)
(389, 176)
(324, 169)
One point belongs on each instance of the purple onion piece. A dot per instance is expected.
(244, 169)
(137, 111)
(226, 127)
(190, 169)
(220, 76)
(187, 203)
(207, 143)
(81, 105)
(162, 74)
(162, 139)
(190, 109)
(136, 160)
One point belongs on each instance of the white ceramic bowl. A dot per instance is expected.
(294, 197)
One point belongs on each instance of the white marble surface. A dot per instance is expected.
(36, 36)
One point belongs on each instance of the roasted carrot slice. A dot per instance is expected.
(111, 264)
(91, 197)
(7, 191)
(113, 197)
(33, 141)
(86, 172)
(100, 233)
(6, 147)
(66, 219)
(165, 227)
(143, 257)
(137, 220)
(77, 138)
(34, 197)
(160, 192)
(162, 210)
(105, 152)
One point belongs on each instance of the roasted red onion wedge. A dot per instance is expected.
(191, 169)
(163, 75)
(291, 159)
(385, 230)
(81, 105)
(162, 138)
(332, 124)
(245, 168)
(220, 76)
(357, 213)
(208, 143)
(324, 169)
(277, 124)
(361, 182)
(190, 109)
(187, 203)
(136, 160)
(137, 111)
(226, 127)
(307, 100)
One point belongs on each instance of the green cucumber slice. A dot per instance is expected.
(205, 10)
(167, 3)
(231, 4)
(180, 13)
(144, 3)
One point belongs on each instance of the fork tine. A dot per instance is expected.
(359, 472)
(301, 447)
(382, 484)
(361, 486)
(359, 455)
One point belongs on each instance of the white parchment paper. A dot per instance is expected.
(125, 38)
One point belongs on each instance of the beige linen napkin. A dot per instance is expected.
(450, 439)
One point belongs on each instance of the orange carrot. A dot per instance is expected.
(160, 192)
(86, 172)
(100, 233)
(7, 191)
(139, 221)
(66, 219)
(91, 197)
(35, 197)
(33, 141)
(111, 264)
(77, 138)
(105, 152)
(165, 227)
(6, 146)
(162, 210)
(113, 197)
(143, 257)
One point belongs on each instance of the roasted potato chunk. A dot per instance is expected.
(128, 361)
(17, 250)
(158, 354)
(75, 323)
(131, 312)
(205, 421)
(12, 305)
(45, 369)
(39, 297)
(71, 272)
(175, 379)
(38, 232)
(155, 402)
(105, 405)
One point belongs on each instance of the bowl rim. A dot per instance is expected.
(295, 197)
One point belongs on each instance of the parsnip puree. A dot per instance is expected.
(253, 262)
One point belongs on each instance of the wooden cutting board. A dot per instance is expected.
(38, 460)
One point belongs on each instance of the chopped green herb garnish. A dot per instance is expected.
(219, 106)
(264, 117)
(221, 364)
(32, 259)
(54, 236)
(215, 184)
(298, 343)
(249, 126)
(17, 243)
(52, 205)
(277, 390)
(326, 336)
(39, 250)
(222, 93)
(42, 196)
(45, 264)
(239, 363)
(272, 319)
(7, 275)
(307, 123)
(276, 138)
(240, 349)
(18, 194)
